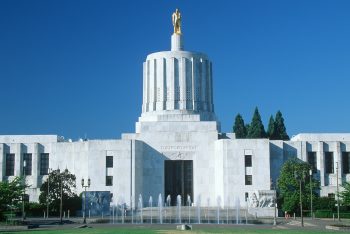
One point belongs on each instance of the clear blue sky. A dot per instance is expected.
(75, 67)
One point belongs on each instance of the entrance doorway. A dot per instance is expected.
(178, 180)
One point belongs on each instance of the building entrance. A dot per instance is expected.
(178, 180)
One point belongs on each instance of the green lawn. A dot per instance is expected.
(158, 230)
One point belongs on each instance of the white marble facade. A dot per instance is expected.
(177, 123)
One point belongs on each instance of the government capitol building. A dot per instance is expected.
(177, 147)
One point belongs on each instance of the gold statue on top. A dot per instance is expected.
(176, 17)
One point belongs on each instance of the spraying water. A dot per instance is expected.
(238, 208)
(160, 208)
(218, 206)
(198, 203)
(178, 205)
(131, 208)
(208, 204)
(189, 208)
(227, 208)
(151, 206)
(140, 206)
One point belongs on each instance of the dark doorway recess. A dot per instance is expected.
(178, 180)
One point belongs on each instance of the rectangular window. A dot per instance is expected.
(331, 195)
(346, 162)
(329, 161)
(28, 168)
(109, 161)
(10, 164)
(109, 180)
(312, 160)
(248, 180)
(246, 196)
(44, 164)
(248, 160)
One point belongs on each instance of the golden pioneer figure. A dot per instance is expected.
(176, 17)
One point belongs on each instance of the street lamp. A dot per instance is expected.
(85, 187)
(24, 184)
(300, 179)
(337, 192)
(310, 173)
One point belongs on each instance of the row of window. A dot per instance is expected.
(109, 164)
(27, 168)
(329, 162)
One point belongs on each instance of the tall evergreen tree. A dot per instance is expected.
(239, 128)
(271, 129)
(256, 128)
(281, 131)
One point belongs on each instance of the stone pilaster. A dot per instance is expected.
(18, 159)
(35, 165)
(303, 151)
(321, 166)
(338, 159)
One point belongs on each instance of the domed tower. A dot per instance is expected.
(177, 84)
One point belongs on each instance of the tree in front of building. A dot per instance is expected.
(288, 184)
(11, 194)
(239, 128)
(345, 194)
(281, 132)
(50, 192)
(256, 128)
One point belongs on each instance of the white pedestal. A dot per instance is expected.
(176, 42)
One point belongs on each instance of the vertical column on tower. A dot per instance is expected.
(211, 102)
(182, 83)
(204, 85)
(147, 77)
(160, 84)
(144, 87)
(194, 84)
(153, 84)
(189, 78)
(170, 84)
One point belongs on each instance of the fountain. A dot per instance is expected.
(168, 204)
(123, 211)
(198, 203)
(238, 207)
(218, 201)
(151, 206)
(208, 204)
(160, 208)
(140, 206)
(189, 208)
(132, 210)
(227, 208)
(178, 205)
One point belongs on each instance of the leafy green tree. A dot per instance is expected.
(256, 128)
(324, 203)
(11, 193)
(345, 194)
(271, 129)
(281, 132)
(239, 128)
(288, 185)
(55, 180)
